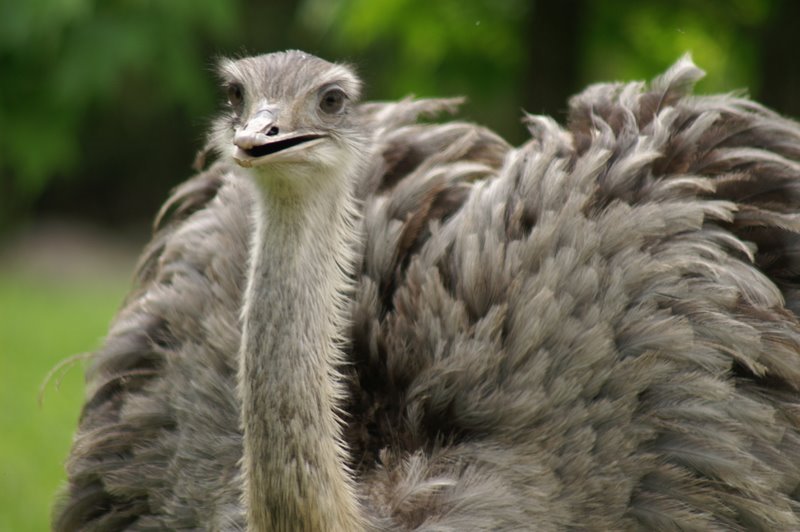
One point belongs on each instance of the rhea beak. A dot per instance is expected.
(261, 138)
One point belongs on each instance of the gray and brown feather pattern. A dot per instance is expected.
(596, 331)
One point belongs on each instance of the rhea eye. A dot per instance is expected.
(235, 96)
(332, 101)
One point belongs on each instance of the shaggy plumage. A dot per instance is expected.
(597, 331)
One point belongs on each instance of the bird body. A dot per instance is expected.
(353, 321)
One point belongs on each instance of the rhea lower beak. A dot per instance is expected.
(260, 140)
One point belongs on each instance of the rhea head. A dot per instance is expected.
(290, 117)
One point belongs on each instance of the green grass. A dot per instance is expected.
(41, 324)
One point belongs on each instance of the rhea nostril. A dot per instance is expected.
(272, 131)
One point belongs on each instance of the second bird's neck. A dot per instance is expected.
(293, 316)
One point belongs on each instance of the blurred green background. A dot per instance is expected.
(104, 103)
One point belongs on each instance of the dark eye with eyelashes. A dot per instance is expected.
(235, 96)
(332, 101)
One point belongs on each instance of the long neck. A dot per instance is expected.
(293, 457)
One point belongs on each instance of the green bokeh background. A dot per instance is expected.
(103, 104)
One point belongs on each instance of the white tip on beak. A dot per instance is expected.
(257, 130)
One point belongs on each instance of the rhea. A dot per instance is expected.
(354, 320)
(299, 143)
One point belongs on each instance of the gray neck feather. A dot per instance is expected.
(292, 318)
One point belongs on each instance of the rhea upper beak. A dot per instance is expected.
(261, 136)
